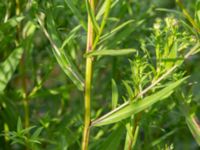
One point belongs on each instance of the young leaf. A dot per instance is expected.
(19, 125)
(121, 113)
(111, 52)
(7, 68)
(37, 133)
(114, 94)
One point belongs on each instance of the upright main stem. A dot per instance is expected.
(88, 79)
(23, 72)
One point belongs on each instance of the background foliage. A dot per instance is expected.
(144, 42)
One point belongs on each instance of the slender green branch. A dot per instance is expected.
(187, 15)
(103, 23)
(88, 79)
(23, 73)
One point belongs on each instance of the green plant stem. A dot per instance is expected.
(25, 98)
(23, 74)
(17, 7)
(135, 129)
(88, 79)
(23, 71)
(135, 125)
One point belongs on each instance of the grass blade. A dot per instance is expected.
(124, 112)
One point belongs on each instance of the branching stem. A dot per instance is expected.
(88, 79)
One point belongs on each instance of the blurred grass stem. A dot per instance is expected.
(88, 79)
(23, 74)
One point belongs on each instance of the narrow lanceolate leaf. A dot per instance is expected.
(76, 12)
(103, 22)
(63, 59)
(114, 94)
(128, 89)
(111, 52)
(116, 29)
(194, 127)
(7, 68)
(19, 125)
(187, 15)
(70, 36)
(92, 17)
(102, 9)
(126, 111)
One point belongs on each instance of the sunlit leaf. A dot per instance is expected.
(121, 113)
(8, 67)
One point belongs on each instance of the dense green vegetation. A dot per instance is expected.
(99, 74)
